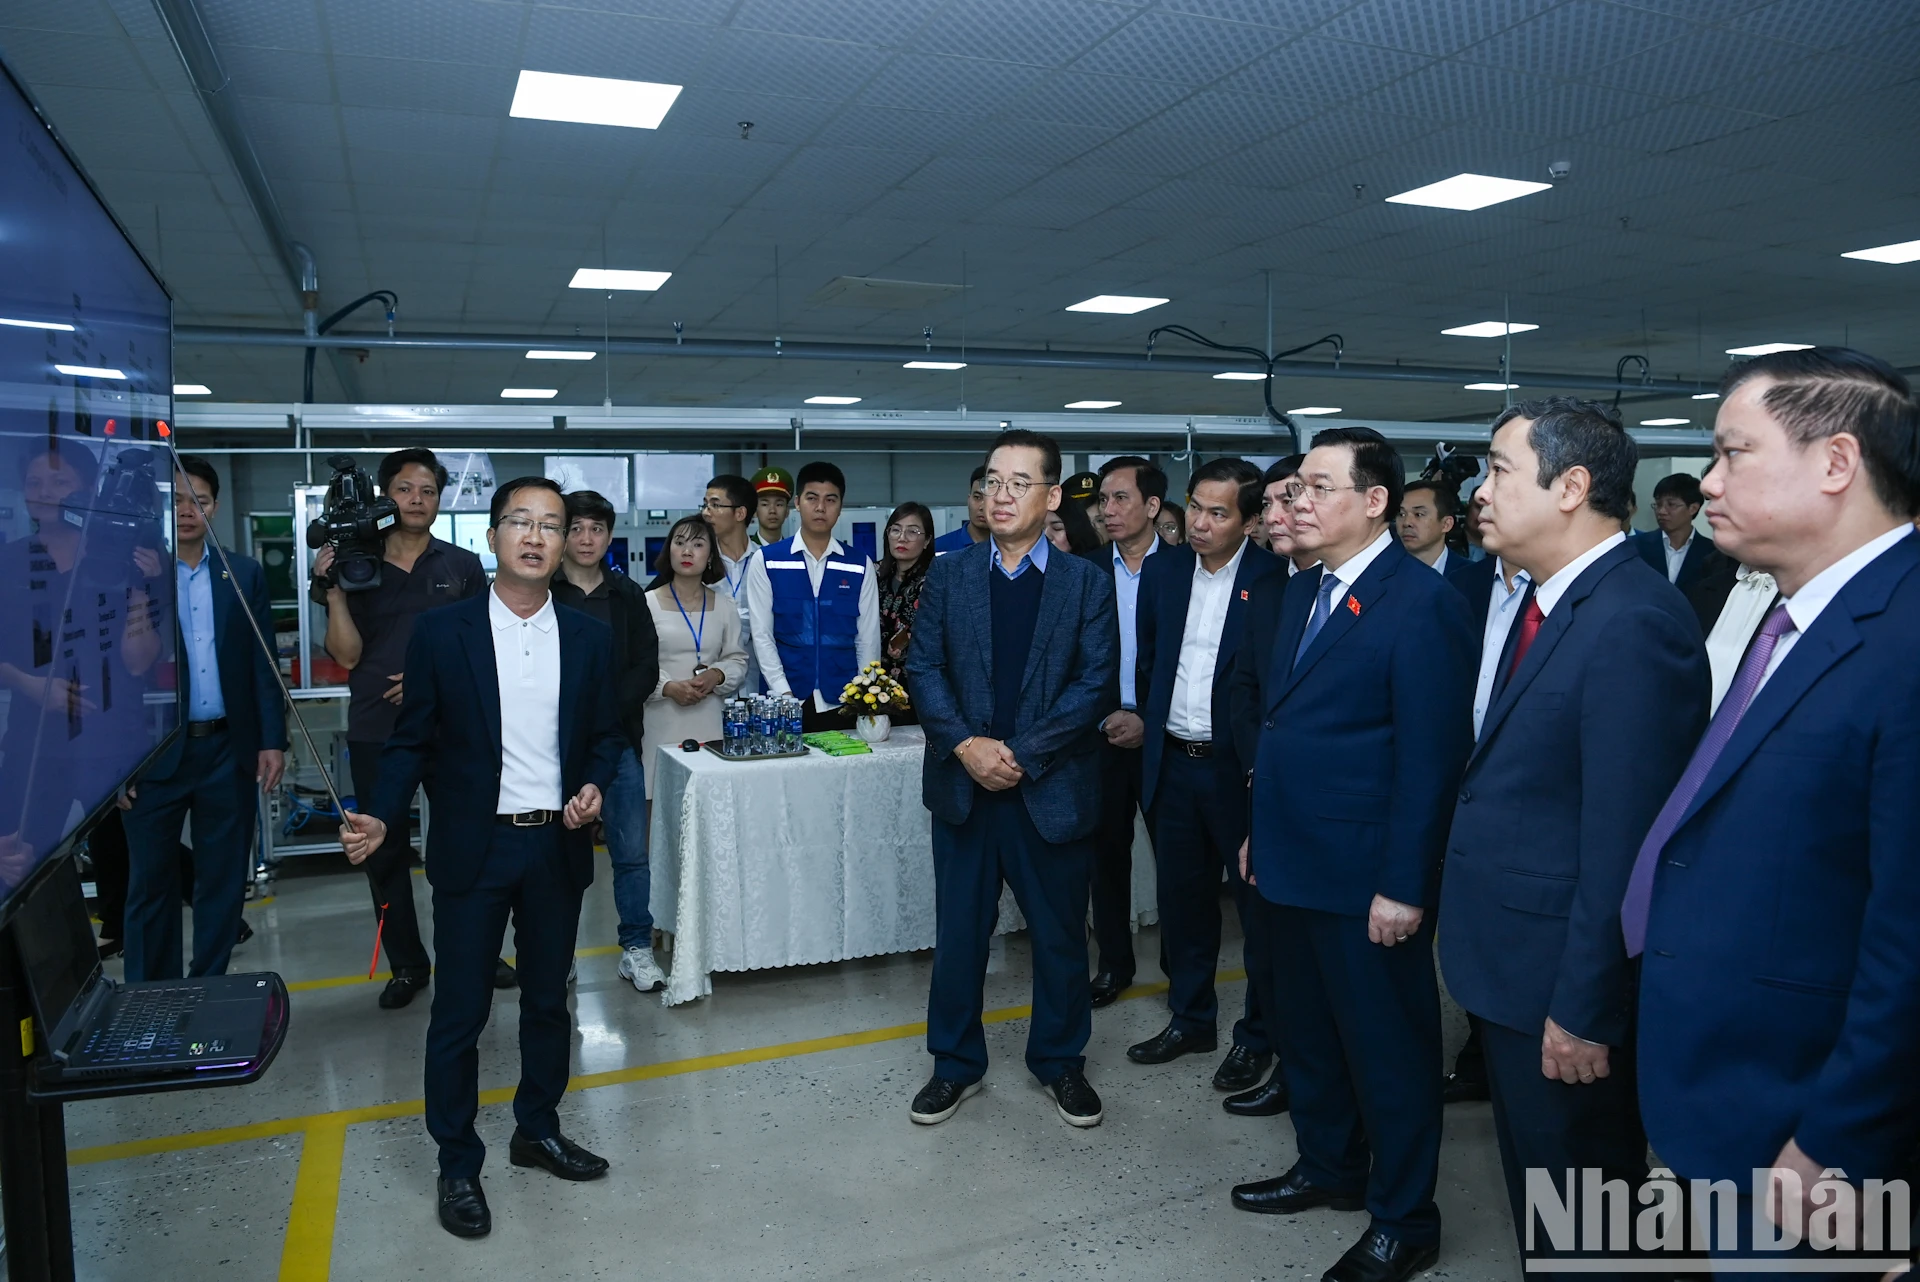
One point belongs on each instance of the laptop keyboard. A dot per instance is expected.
(147, 1026)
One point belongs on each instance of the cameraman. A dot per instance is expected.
(367, 633)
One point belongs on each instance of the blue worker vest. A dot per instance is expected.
(815, 636)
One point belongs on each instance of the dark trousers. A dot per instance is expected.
(391, 880)
(998, 843)
(1358, 1027)
(212, 787)
(1546, 1123)
(1197, 827)
(107, 848)
(524, 876)
(1113, 859)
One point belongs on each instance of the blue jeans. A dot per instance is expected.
(625, 816)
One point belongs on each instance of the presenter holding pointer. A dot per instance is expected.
(504, 718)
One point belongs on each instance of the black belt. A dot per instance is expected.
(202, 729)
(529, 818)
(1190, 747)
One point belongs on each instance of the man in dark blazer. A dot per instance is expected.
(1012, 666)
(510, 721)
(1774, 894)
(1363, 687)
(1193, 603)
(233, 742)
(1558, 793)
(1674, 547)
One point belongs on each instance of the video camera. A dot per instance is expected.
(1450, 468)
(121, 513)
(354, 522)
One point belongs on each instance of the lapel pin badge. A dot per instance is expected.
(1353, 605)
(1243, 594)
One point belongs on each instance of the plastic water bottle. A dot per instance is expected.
(734, 727)
(761, 729)
(795, 729)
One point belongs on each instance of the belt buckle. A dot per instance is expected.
(529, 819)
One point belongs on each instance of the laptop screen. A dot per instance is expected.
(56, 945)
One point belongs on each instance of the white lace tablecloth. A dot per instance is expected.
(813, 859)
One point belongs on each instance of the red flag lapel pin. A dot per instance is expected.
(1353, 604)
(1243, 594)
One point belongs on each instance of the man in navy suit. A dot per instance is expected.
(234, 741)
(1675, 548)
(1193, 602)
(1013, 666)
(1560, 788)
(1774, 893)
(1363, 688)
(509, 719)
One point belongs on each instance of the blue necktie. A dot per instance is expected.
(1322, 607)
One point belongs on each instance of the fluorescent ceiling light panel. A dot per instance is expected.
(1907, 251)
(592, 100)
(1706, 396)
(1488, 329)
(610, 278)
(1492, 387)
(833, 400)
(1316, 409)
(1768, 349)
(192, 389)
(62, 326)
(1467, 191)
(541, 354)
(934, 365)
(528, 393)
(1241, 376)
(1091, 405)
(1663, 422)
(1116, 304)
(90, 371)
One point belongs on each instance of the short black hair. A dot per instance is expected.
(979, 475)
(1681, 485)
(1822, 391)
(1445, 502)
(820, 470)
(1573, 433)
(1147, 476)
(67, 453)
(390, 465)
(498, 508)
(1023, 438)
(1082, 540)
(589, 505)
(201, 470)
(716, 568)
(1237, 472)
(1375, 462)
(738, 489)
(1282, 469)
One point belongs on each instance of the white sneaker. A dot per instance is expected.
(638, 966)
(573, 970)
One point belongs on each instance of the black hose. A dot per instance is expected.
(391, 299)
(1267, 363)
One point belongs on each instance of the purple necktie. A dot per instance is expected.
(1633, 909)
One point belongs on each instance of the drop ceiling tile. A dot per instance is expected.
(1323, 72)
(1419, 26)
(926, 131)
(1450, 91)
(1575, 38)
(73, 60)
(1293, 15)
(288, 75)
(1050, 35)
(1820, 81)
(716, 114)
(460, 88)
(284, 24)
(1103, 102)
(1688, 67)
(78, 17)
(1899, 47)
(1817, 24)
(486, 32)
(970, 86)
(376, 171)
(437, 132)
(760, 62)
(1178, 48)
(989, 178)
(1090, 185)
(1568, 111)
(929, 207)
(1677, 126)
(711, 12)
(873, 22)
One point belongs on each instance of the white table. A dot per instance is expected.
(813, 859)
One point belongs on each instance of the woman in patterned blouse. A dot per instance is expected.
(903, 571)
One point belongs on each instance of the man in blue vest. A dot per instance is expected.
(814, 604)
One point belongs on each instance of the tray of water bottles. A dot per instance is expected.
(760, 727)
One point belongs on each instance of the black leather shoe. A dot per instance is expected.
(1107, 988)
(112, 948)
(1168, 1045)
(1380, 1258)
(940, 1099)
(1463, 1090)
(558, 1156)
(1269, 1099)
(463, 1208)
(246, 933)
(1291, 1193)
(1241, 1069)
(401, 990)
(505, 976)
(1075, 1100)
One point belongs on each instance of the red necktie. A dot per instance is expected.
(1529, 629)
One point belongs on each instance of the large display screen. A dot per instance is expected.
(86, 574)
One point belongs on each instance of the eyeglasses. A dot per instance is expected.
(1295, 495)
(522, 525)
(905, 532)
(1017, 487)
(715, 505)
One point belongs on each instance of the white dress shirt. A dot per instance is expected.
(1501, 612)
(1190, 715)
(735, 586)
(1440, 564)
(1816, 593)
(526, 655)
(1753, 595)
(759, 605)
(1548, 594)
(1349, 574)
(1126, 605)
(1676, 556)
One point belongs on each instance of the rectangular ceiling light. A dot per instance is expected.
(1117, 304)
(609, 278)
(1488, 329)
(89, 371)
(591, 100)
(1467, 191)
(934, 365)
(63, 327)
(1663, 422)
(528, 393)
(1768, 349)
(1907, 251)
(1240, 376)
(1316, 409)
(541, 354)
(833, 400)
(1091, 405)
(192, 389)
(1706, 396)
(1492, 387)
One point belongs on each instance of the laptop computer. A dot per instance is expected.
(99, 1030)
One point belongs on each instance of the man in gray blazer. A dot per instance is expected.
(1013, 664)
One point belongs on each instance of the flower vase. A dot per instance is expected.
(873, 729)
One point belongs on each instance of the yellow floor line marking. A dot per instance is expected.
(307, 1255)
(381, 977)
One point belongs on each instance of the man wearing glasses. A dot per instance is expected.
(729, 509)
(508, 719)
